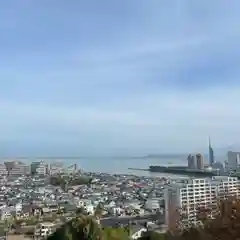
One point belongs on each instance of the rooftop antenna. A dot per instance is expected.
(209, 141)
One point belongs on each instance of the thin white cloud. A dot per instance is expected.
(150, 120)
(164, 108)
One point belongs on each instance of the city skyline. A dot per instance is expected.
(130, 77)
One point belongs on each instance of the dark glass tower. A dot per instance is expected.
(211, 153)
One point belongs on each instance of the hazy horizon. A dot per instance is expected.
(56, 155)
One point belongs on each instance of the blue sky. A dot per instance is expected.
(111, 77)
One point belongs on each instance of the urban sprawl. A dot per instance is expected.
(37, 198)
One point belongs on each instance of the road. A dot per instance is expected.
(112, 221)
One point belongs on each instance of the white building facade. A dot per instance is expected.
(182, 202)
(42, 168)
(3, 170)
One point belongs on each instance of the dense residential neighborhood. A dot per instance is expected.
(41, 200)
(38, 198)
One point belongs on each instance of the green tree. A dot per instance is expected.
(64, 182)
(99, 210)
(67, 233)
(81, 227)
(85, 227)
(80, 211)
(115, 234)
(153, 236)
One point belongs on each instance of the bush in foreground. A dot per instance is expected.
(82, 227)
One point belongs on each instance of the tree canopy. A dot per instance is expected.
(63, 182)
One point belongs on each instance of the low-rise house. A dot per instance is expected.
(46, 210)
(89, 209)
(26, 211)
(152, 204)
(83, 202)
(117, 211)
(44, 229)
(137, 231)
(7, 212)
(69, 208)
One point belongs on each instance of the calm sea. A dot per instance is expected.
(118, 165)
(121, 165)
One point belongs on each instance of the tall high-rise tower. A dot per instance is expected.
(199, 161)
(210, 153)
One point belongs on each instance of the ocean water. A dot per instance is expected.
(118, 165)
(121, 165)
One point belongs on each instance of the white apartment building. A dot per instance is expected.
(226, 186)
(56, 167)
(71, 169)
(42, 168)
(182, 201)
(3, 170)
(19, 169)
